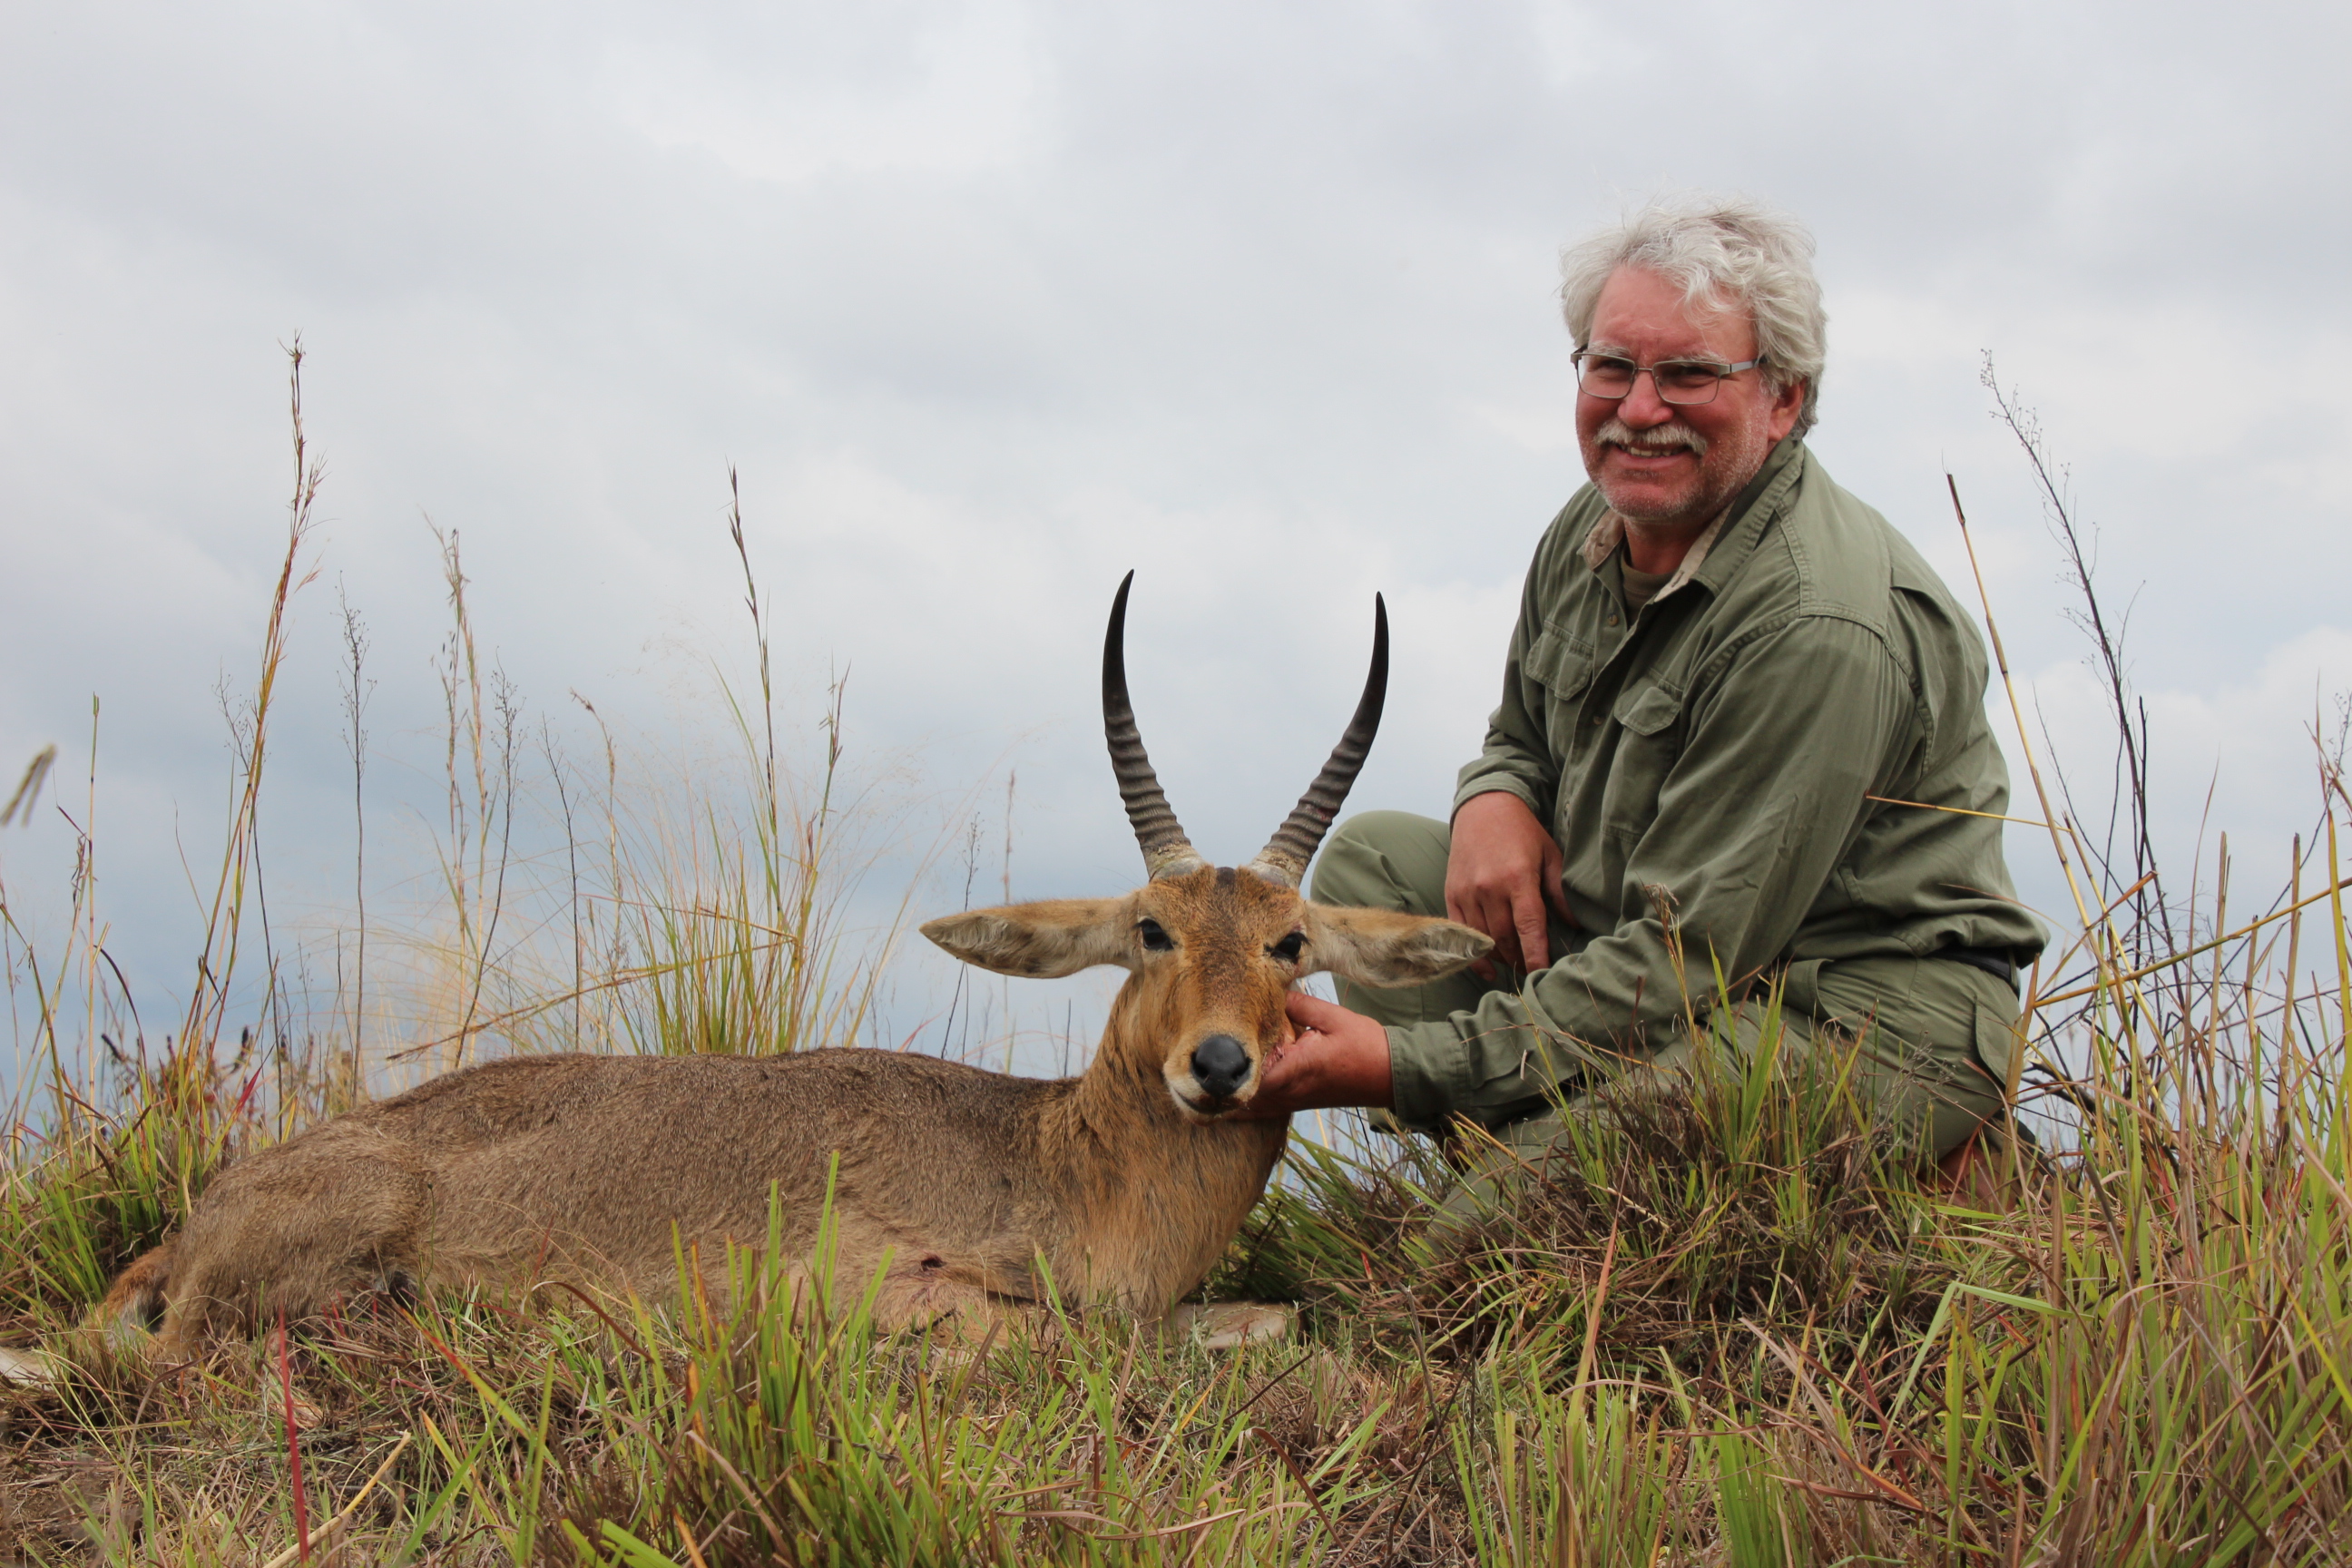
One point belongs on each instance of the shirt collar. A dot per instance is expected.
(1608, 532)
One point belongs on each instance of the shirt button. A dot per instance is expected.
(1613, 620)
(1596, 718)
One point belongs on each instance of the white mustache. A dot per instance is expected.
(1665, 438)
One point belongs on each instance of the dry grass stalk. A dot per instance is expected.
(1729, 1329)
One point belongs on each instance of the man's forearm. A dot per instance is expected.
(1491, 1065)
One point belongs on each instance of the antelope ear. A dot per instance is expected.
(1042, 941)
(1382, 947)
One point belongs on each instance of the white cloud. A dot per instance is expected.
(991, 302)
(955, 91)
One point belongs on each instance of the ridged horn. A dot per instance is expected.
(1284, 857)
(1166, 851)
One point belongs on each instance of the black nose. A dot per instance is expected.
(1220, 1065)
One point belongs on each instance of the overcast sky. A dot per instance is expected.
(991, 302)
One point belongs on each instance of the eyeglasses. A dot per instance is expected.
(1682, 381)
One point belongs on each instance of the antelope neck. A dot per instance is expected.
(1125, 1079)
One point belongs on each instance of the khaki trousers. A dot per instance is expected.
(1932, 1039)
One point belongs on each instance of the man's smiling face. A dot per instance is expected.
(1674, 466)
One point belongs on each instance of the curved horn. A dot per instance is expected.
(1166, 851)
(1284, 857)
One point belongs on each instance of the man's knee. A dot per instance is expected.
(1927, 1099)
(1952, 1108)
(1383, 860)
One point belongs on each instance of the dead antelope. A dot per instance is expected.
(967, 1189)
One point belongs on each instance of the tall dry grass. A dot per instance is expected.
(1729, 1328)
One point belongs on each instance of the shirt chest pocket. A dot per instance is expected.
(1557, 669)
(1649, 716)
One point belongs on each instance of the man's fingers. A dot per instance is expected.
(1461, 913)
(1535, 944)
(1490, 918)
(1513, 915)
(1502, 872)
(1555, 893)
(1311, 1012)
(1501, 923)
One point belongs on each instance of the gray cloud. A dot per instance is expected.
(992, 302)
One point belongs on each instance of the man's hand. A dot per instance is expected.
(1336, 1059)
(1501, 875)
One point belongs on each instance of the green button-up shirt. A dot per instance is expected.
(1714, 758)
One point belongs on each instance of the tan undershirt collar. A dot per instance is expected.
(1641, 586)
(1609, 531)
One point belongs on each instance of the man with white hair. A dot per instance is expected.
(1741, 752)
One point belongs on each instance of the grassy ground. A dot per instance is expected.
(1727, 1333)
(1732, 1330)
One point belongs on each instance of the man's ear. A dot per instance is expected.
(1042, 941)
(1382, 947)
(1787, 405)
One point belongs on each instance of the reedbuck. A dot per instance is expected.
(967, 1189)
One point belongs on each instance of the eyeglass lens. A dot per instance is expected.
(1683, 382)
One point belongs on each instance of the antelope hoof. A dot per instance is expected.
(1227, 1325)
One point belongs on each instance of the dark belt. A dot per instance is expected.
(1799, 976)
(1996, 961)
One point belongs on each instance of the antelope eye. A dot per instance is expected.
(1155, 940)
(1289, 947)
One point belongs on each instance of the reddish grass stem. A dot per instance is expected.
(293, 1444)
